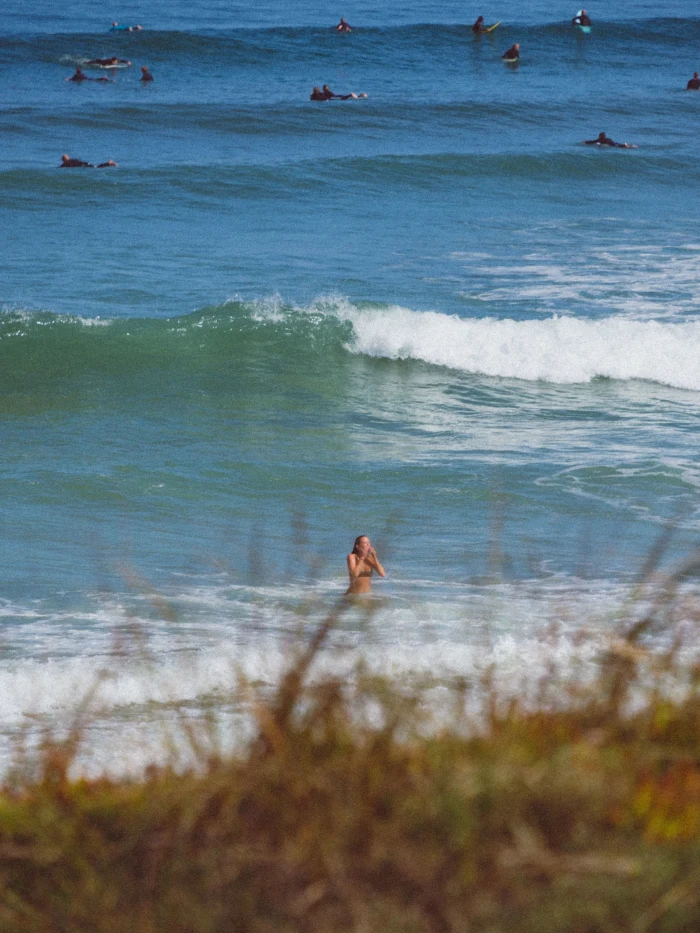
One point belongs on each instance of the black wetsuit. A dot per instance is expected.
(584, 20)
(693, 84)
(605, 141)
(76, 163)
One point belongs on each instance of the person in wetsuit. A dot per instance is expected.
(694, 83)
(145, 74)
(478, 26)
(343, 26)
(326, 94)
(81, 76)
(67, 162)
(362, 560)
(582, 19)
(512, 54)
(329, 95)
(603, 140)
(109, 62)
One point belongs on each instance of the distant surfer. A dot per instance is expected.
(81, 76)
(145, 74)
(343, 26)
(112, 62)
(694, 83)
(603, 140)
(512, 54)
(361, 562)
(325, 93)
(582, 19)
(67, 162)
(478, 26)
(116, 27)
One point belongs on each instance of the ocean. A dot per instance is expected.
(432, 316)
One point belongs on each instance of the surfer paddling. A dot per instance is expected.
(81, 76)
(603, 140)
(67, 162)
(362, 560)
(112, 62)
(117, 27)
(325, 93)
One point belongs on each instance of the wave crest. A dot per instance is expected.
(558, 350)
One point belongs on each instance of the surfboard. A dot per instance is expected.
(585, 29)
(106, 67)
(491, 28)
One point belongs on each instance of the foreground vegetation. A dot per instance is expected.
(578, 810)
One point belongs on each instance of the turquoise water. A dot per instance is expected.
(433, 316)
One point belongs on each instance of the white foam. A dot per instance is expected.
(427, 631)
(558, 350)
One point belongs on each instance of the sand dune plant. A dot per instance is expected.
(354, 807)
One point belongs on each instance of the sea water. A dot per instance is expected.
(432, 316)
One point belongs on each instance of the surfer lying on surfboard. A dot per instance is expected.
(112, 62)
(67, 162)
(604, 140)
(325, 93)
(80, 76)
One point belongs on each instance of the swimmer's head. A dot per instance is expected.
(480, 19)
(65, 157)
(115, 23)
(361, 545)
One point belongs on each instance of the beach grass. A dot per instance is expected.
(357, 805)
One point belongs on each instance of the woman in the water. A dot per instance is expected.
(361, 562)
